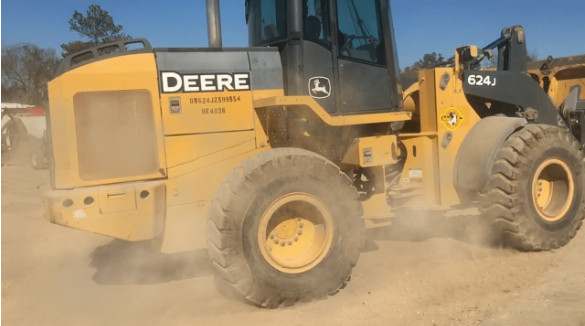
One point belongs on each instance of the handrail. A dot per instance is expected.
(101, 51)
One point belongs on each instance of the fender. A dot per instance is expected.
(475, 157)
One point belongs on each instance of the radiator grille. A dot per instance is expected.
(115, 134)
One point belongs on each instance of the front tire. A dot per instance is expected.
(535, 196)
(285, 226)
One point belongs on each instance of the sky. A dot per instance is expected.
(554, 28)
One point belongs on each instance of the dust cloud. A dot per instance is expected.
(423, 270)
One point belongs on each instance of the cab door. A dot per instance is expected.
(364, 37)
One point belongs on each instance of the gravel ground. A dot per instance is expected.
(420, 271)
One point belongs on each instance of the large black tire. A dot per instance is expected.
(285, 226)
(535, 198)
(14, 135)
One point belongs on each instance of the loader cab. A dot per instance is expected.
(340, 52)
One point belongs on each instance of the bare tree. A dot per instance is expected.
(26, 69)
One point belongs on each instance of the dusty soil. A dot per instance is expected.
(421, 271)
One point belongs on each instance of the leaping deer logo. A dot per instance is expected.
(319, 87)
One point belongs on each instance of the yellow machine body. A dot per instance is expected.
(141, 141)
(442, 120)
(167, 165)
(133, 163)
(181, 145)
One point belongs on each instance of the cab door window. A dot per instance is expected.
(316, 25)
(359, 34)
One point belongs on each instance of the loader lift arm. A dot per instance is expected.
(511, 47)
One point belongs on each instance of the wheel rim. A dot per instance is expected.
(295, 233)
(552, 189)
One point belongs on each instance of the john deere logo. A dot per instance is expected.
(319, 87)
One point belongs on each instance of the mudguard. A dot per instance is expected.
(476, 154)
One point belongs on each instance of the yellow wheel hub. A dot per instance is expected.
(552, 189)
(295, 233)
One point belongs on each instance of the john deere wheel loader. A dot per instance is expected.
(276, 157)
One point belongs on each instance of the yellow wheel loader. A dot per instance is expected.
(277, 157)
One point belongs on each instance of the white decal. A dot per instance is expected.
(479, 80)
(319, 87)
(168, 76)
(415, 173)
(172, 82)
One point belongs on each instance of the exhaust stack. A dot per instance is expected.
(213, 24)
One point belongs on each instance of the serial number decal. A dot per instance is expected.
(215, 99)
(213, 111)
(480, 80)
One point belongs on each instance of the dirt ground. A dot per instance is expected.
(418, 272)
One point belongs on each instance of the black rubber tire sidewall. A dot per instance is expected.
(506, 203)
(333, 270)
(235, 215)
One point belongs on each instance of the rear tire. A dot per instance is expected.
(285, 226)
(535, 197)
(14, 135)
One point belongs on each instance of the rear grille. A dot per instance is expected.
(115, 134)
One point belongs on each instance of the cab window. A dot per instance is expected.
(266, 21)
(316, 24)
(359, 32)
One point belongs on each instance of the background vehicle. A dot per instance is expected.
(276, 157)
(563, 79)
(23, 128)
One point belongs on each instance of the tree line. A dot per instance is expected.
(26, 68)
